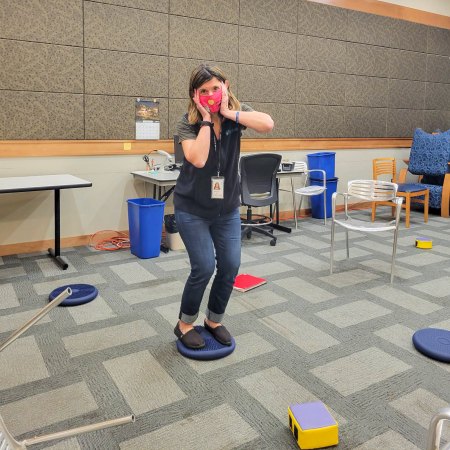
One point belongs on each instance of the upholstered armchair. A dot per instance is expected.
(430, 159)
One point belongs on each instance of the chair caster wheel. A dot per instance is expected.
(249, 235)
(273, 242)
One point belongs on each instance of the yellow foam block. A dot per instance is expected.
(424, 243)
(312, 425)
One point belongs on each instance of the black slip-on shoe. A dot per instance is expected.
(191, 339)
(220, 334)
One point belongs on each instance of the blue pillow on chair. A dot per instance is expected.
(430, 153)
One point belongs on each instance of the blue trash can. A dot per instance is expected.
(323, 161)
(145, 220)
(317, 200)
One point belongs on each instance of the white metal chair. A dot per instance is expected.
(370, 191)
(435, 430)
(310, 190)
(7, 441)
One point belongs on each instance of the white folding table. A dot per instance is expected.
(46, 183)
(160, 179)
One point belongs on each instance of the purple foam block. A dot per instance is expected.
(312, 415)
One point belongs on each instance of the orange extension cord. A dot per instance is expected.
(116, 241)
(109, 240)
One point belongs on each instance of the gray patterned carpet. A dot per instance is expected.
(344, 339)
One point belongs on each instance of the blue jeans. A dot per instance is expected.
(210, 243)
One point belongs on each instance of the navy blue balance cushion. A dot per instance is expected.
(433, 342)
(81, 293)
(211, 350)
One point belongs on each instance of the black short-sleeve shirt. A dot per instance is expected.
(192, 192)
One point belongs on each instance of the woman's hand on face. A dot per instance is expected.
(201, 109)
(224, 104)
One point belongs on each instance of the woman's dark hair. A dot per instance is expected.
(202, 74)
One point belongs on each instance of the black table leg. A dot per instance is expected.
(167, 194)
(276, 224)
(56, 254)
(163, 198)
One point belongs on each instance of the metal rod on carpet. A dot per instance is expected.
(79, 430)
(435, 430)
(38, 316)
(7, 439)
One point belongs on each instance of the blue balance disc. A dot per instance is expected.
(81, 293)
(433, 342)
(211, 350)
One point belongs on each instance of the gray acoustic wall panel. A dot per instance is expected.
(268, 84)
(320, 88)
(366, 91)
(112, 117)
(407, 65)
(127, 29)
(408, 35)
(50, 21)
(280, 15)
(150, 5)
(437, 96)
(438, 68)
(406, 94)
(72, 69)
(321, 54)
(318, 121)
(177, 107)
(283, 116)
(41, 67)
(370, 122)
(123, 73)
(433, 119)
(267, 48)
(322, 20)
(369, 29)
(215, 10)
(42, 115)
(369, 60)
(438, 41)
(403, 122)
(203, 39)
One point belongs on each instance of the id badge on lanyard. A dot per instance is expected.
(217, 187)
(217, 182)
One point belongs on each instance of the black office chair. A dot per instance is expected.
(258, 188)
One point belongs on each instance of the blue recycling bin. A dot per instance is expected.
(317, 200)
(323, 161)
(145, 220)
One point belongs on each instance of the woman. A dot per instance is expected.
(207, 198)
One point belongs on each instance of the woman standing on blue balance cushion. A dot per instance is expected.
(207, 198)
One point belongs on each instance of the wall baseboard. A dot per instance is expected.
(76, 241)
(40, 246)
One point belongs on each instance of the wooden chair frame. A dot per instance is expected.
(387, 166)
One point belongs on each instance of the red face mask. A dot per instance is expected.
(212, 101)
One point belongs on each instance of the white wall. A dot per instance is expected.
(434, 6)
(28, 217)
